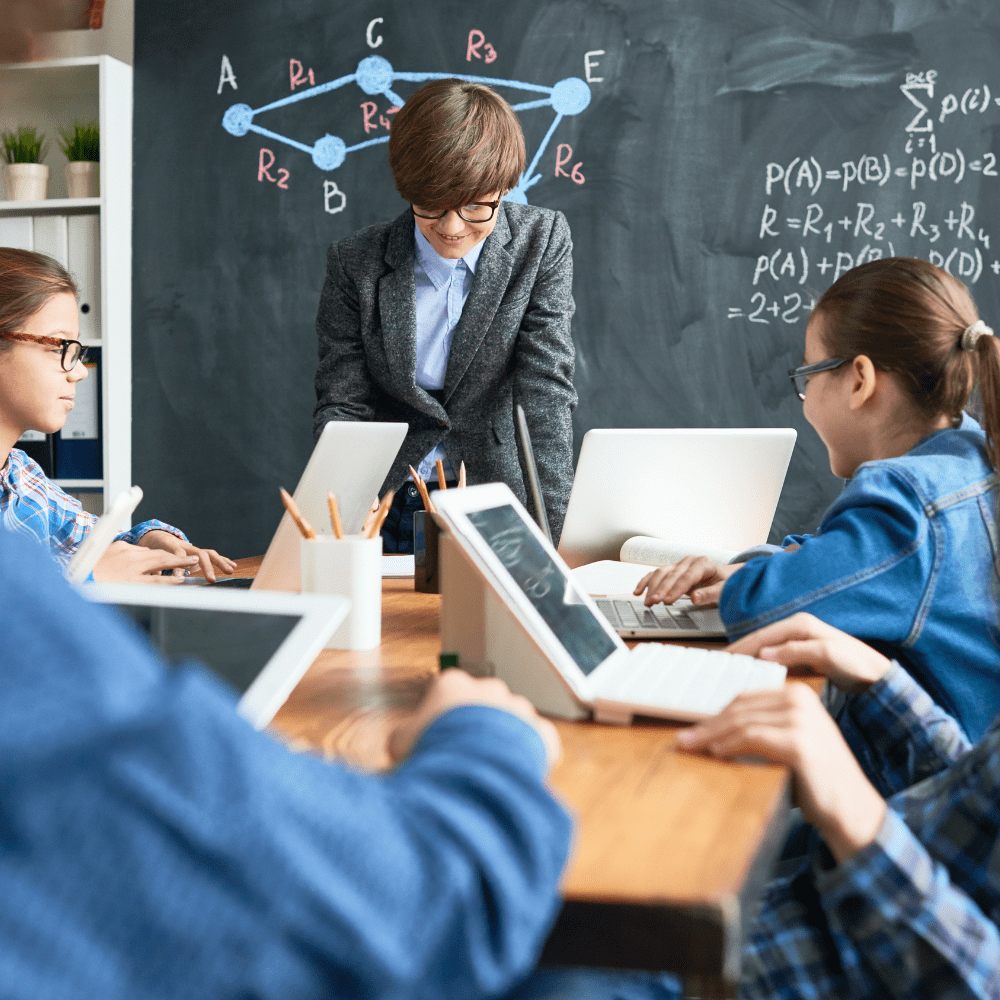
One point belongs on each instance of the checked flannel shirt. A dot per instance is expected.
(915, 914)
(31, 504)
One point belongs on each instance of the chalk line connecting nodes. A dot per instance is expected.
(375, 75)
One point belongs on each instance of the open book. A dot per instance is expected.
(659, 551)
(639, 555)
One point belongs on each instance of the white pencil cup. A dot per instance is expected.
(348, 567)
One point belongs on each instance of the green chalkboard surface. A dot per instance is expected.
(720, 163)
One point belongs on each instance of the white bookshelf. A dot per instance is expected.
(51, 96)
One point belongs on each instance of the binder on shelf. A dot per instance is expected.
(80, 448)
(83, 238)
(40, 447)
(51, 237)
(15, 231)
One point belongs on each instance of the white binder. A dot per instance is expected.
(84, 263)
(15, 231)
(51, 237)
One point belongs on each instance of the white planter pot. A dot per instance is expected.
(83, 179)
(26, 181)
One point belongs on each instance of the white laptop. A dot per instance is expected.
(259, 644)
(717, 488)
(559, 651)
(701, 490)
(351, 459)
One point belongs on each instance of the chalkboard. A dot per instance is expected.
(720, 163)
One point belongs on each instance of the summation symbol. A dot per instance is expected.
(375, 76)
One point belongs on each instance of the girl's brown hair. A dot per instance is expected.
(453, 142)
(27, 281)
(909, 318)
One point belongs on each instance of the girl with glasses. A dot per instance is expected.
(905, 558)
(446, 316)
(41, 363)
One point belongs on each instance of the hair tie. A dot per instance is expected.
(971, 334)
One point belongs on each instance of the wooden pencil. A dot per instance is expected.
(383, 513)
(461, 476)
(421, 486)
(305, 528)
(442, 485)
(338, 528)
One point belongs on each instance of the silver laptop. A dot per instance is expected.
(551, 643)
(258, 644)
(702, 490)
(351, 460)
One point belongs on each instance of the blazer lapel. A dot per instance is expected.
(492, 277)
(397, 308)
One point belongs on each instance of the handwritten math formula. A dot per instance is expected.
(376, 78)
(810, 234)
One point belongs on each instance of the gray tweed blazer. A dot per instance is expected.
(511, 345)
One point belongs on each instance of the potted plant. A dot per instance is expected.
(24, 175)
(82, 147)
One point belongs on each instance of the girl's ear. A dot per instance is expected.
(863, 381)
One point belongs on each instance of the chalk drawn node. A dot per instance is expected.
(329, 152)
(374, 75)
(570, 96)
(237, 119)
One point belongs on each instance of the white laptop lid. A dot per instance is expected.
(259, 643)
(525, 571)
(102, 534)
(351, 459)
(716, 488)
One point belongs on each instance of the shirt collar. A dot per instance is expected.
(440, 269)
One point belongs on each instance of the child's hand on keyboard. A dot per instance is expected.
(791, 727)
(698, 576)
(805, 641)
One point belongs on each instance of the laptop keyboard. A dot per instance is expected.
(682, 681)
(625, 614)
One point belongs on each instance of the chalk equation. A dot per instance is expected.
(375, 76)
(808, 242)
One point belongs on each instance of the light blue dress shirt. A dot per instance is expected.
(442, 286)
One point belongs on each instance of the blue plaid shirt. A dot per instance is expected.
(916, 913)
(31, 504)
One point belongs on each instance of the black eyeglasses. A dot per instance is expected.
(73, 352)
(800, 376)
(480, 211)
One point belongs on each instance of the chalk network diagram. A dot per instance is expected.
(375, 76)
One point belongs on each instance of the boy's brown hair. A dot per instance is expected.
(453, 142)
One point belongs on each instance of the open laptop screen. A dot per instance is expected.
(234, 645)
(542, 582)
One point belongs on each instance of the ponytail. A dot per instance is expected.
(985, 352)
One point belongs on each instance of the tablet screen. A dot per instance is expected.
(235, 645)
(542, 582)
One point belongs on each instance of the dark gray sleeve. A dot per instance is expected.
(343, 384)
(544, 362)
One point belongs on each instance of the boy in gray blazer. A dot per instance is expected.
(456, 310)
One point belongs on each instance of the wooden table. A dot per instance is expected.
(671, 849)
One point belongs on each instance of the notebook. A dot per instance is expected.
(701, 490)
(562, 654)
(260, 644)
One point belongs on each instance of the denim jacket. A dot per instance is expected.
(904, 561)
